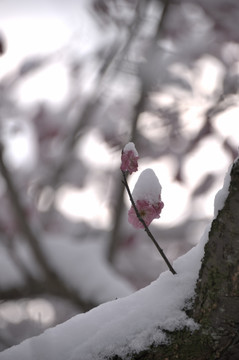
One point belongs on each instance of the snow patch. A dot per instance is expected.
(147, 187)
(222, 194)
(131, 147)
(123, 326)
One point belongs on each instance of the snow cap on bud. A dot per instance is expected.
(129, 158)
(147, 197)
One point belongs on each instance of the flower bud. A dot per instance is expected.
(129, 158)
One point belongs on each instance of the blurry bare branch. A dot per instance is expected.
(110, 66)
(204, 185)
(50, 274)
(18, 262)
(138, 109)
(2, 45)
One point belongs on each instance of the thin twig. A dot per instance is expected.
(114, 240)
(162, 18)
(160, 250)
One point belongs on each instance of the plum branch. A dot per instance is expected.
(146, 228)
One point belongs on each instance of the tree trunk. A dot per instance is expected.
(216, 305)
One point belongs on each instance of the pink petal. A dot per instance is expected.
(148, 212)
(129, 161)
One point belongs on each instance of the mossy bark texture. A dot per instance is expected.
(216, 306)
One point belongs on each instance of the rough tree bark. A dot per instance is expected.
(216, 305)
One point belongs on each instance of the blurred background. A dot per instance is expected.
(78, 80)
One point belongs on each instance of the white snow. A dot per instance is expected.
(124, 325)
(147, 187)
(223, 193)
(131, 147)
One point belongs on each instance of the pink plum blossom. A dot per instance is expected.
(129, 159)
(147, 211)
